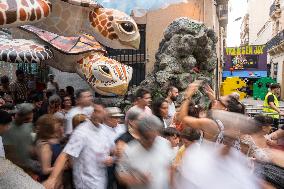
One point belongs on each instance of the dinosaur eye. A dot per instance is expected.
(128, 27)
(105, 69)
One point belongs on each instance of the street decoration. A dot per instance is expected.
(69, 35)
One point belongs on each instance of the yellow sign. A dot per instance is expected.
(246, 50)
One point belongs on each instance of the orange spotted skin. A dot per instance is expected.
(23, 11)
(102, 21)
(105, 75)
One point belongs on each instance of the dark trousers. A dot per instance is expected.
(275, 124)
(112, 182)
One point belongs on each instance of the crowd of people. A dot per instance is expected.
(55, 138)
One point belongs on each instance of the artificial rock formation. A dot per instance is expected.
(187, 52)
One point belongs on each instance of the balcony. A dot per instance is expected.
(275, 10)
(276, 44)
(223, 14)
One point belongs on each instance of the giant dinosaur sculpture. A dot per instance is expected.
(66, 34)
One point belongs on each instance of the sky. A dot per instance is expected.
(128, 5)
(237, 9)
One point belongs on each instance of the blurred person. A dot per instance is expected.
(2, 102)
(236, 95)
(256, 141)
(78, 119)
(271, 104)
(172, 95)
(130, 135)
(160, 109)
(11, 175)
(229, 103)
(49, 133)
(54, 106)
(5, 82)
(173, 136)
(62, 93)
(51, 84)
(112, 130)
(71, 92)
(66, 104)
(19, 88)
(142, 101)
(8, 98)
(31, 83)
(206, 166)
(5, 92)
(5, 120)
(88, 150)
(276, 138)
(146, 163)
(15, 178)
(188, 136)
(84, 100)
(111, 124)
(212, 129)
(18, 139)
(37, 100)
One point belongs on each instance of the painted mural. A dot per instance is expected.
(245, 61)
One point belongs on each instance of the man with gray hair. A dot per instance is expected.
(18, 139)
(146, 162)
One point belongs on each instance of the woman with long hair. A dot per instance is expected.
(160, 108)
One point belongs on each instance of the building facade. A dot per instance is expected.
(264, 24)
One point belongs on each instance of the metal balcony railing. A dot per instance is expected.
(276, 40)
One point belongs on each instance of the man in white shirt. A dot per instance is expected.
(113, 130)
(143, 101)
(111, 125)
(172, 94)
(88, 148)
(215, 166)
(146, 163)
(5, 120)
(84, 100)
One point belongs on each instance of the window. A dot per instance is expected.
(275, 70)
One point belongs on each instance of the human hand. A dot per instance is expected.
(209, 91)
(108, 161)
(271, 142)
(192, 88)
(49, 183)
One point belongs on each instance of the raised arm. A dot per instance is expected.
(208, 126)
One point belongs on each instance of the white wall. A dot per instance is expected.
(259, 15)
(265, 35)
